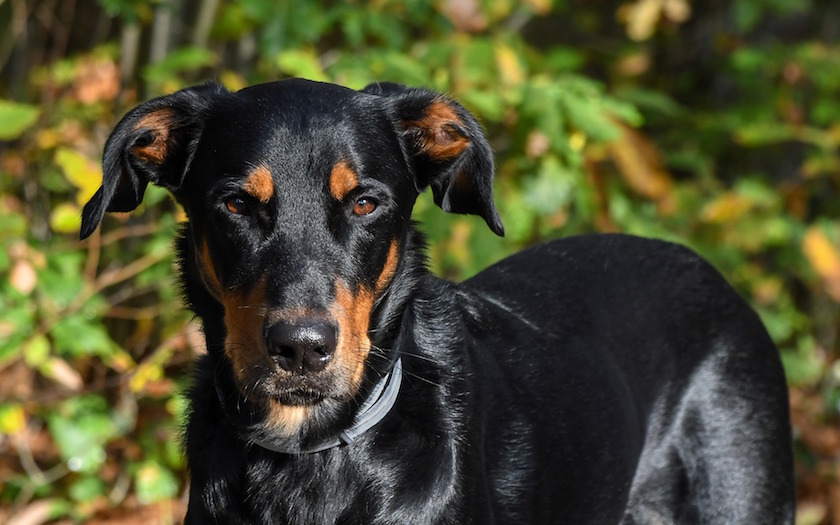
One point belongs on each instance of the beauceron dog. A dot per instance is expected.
(596, 379)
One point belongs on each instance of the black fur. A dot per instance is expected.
(591, 380)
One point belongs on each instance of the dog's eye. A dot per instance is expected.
(237, 205)
(364, 206)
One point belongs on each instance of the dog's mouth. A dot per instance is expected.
(276, 387)
(299, 397)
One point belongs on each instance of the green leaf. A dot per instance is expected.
(81, 428)
(155, 482)
(16, 118)
(180, 61)
(87, 489)
(76, 336)
(300, 63)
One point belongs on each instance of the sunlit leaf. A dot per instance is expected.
(82, 172)
(824, 257)
(36, 350)
(302, 63)
(509, 64)
(640, 164)
(12, 418)
(66, 218)
(16, 118)
(727, 208)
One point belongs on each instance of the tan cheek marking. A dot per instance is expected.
(244, 321)
(260, 184)
(389, 269)
(438, 141)
(353, 315)
(286, 420)
(342, 180)
(208, 272)
(159, 123)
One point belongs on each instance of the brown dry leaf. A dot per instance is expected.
(834, 502)
(465, 15)
(537, 144)
(824, 258)
(641, 166)
(35, 513)
(62, 373)
(23, 277)
(97, 80)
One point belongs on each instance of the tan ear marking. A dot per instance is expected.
(158, 123)
(439, 139)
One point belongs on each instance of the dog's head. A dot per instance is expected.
(299, 197)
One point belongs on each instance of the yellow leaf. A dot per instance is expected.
(824, 258)
(232, 81)
(642, 17)
(509, 65)
(542, 7)
(66, 218)
(82, 173)
(36, 350)
(12, 419)
(145, 373)
(727, 208)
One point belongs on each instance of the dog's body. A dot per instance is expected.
(592, 380)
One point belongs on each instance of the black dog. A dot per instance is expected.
(593, 380)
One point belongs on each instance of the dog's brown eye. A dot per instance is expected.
(364, 206)
(237, 205)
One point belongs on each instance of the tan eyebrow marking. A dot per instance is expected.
(260, 184)
(342, 180)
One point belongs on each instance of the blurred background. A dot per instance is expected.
(715, 124)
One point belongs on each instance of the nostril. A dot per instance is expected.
(302, 345)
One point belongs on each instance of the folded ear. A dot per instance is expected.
(153, 143)
(448, 149)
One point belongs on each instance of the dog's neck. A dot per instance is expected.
(379, 403)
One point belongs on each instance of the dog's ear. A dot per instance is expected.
(447, 148)
(154, 143)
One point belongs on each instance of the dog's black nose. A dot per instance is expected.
(302, 346)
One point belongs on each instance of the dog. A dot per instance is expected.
(596, 379)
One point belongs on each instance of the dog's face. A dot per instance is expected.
(299, 197)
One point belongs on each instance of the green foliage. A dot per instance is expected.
(725, 139)
(15, 119)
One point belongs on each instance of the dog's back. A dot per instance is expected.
(604, 356)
